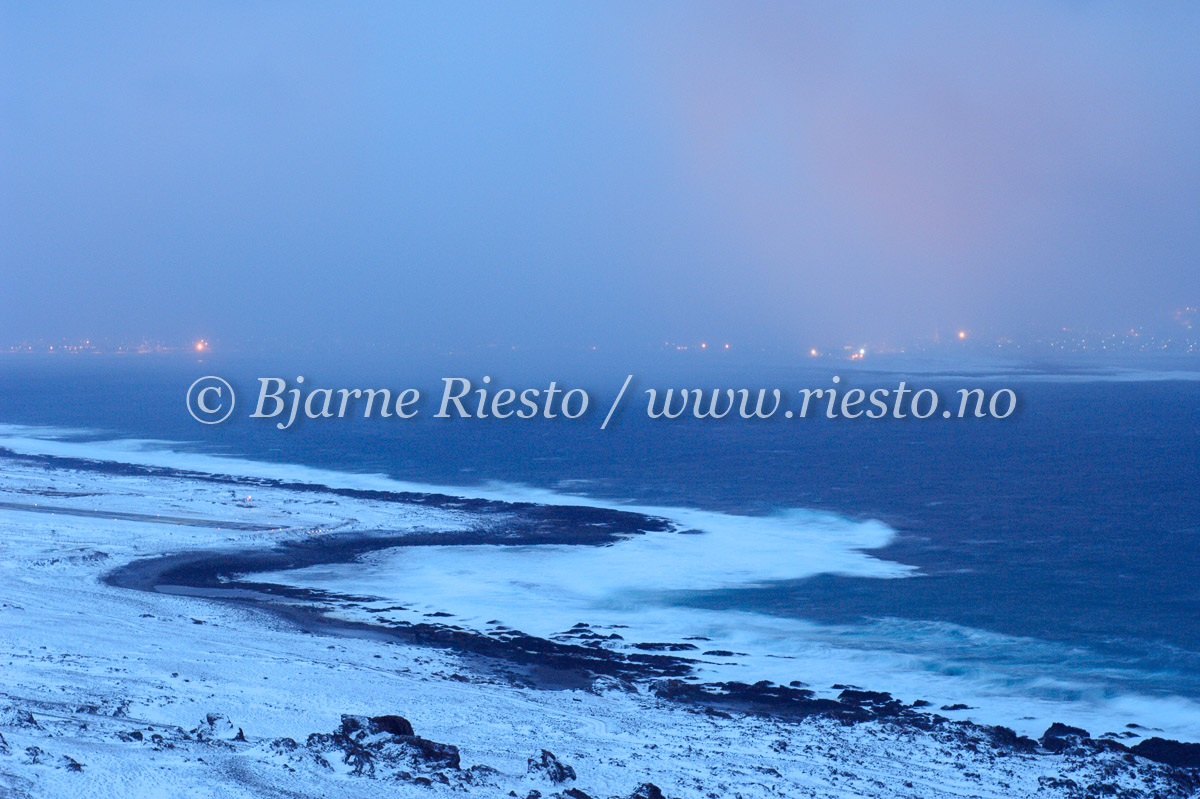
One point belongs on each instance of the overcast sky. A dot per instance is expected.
(595, 173)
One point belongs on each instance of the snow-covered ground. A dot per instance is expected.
(113, 692)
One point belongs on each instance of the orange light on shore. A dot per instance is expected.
(962, 334)
(201, 345)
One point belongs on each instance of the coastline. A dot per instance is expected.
(774, 727)
(549, 665)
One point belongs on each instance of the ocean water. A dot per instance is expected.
(1042, 567)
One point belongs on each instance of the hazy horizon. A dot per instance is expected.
(620, 176)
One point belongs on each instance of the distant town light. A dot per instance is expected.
(962, 334)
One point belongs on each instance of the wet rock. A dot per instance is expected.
(1172, 753)
(1058, 730)
(865, 697)
(1007, 738)
(549, 766)
(762, 697)
(1059, 737)
(881, 702)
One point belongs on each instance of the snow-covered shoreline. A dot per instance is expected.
(138, 693)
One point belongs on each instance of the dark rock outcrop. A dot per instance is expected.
(369, 744)
(575, 793)
(393, 725)
(1058, 737)
(549, 766)
(16, 717)
(1172, 753)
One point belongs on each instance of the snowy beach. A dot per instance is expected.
(248, 693)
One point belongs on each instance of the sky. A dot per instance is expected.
(615, 175)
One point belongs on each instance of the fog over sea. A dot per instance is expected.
(1037, 568)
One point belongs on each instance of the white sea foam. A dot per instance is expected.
(628, 587)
